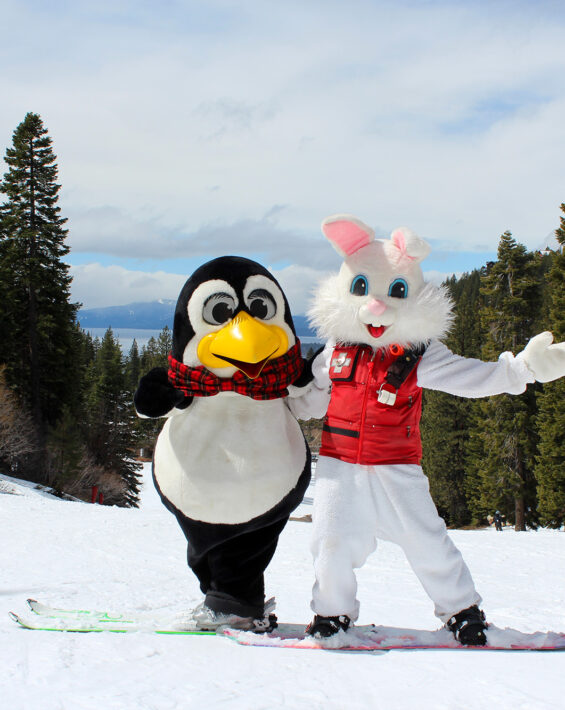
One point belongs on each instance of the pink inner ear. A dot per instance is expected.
(399, 241)
(348, 237)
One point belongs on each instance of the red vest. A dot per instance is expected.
(360, 429)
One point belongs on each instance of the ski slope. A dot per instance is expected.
(77, 555)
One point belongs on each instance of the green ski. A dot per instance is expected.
(47, 618)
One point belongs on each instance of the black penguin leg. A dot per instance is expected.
(237, 567)
(229, 562)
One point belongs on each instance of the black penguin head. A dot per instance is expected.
(232, 314)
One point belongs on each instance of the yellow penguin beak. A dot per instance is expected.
(245, 343)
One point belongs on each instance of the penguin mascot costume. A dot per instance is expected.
(231, 462)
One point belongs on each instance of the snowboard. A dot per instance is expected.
(386, 638)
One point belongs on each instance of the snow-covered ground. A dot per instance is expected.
(73, 554)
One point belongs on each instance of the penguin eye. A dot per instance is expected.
(398, 289)
(359, 286)
(218, 308)
(261, 304)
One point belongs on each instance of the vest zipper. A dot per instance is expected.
(370, 366)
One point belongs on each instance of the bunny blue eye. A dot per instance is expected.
(398, 289)
(359, 286)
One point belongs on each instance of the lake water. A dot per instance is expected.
(126, 336)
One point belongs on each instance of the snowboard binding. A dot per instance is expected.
(326, 626)
(468, 626)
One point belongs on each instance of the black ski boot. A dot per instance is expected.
(325, 626)
(206, 619)
(468, 626)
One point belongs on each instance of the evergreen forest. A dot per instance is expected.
(66, 413)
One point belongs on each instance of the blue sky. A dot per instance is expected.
(186, 130)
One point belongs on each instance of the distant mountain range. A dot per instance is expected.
(153, 315)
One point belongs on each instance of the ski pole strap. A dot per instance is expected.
(399, 370)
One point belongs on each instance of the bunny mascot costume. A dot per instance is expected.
(383, 325)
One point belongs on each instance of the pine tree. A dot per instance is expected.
(66, 451)
(444, 435)
(550, 465)
(133, 368)
(36, 315)
(165, 344)
(154, 354)
(446, 419)
(506, 423)
(111, 435)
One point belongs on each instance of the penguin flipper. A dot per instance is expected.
(306, 377)
(155, 395)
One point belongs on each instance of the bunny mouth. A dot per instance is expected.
(376, 330)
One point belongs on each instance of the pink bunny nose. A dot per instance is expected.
(376, 307)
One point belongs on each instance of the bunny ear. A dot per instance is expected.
(409, 244)
(346, 233)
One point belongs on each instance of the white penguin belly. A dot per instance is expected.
(228, 458)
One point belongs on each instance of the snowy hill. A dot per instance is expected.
(15, 486)
(74, 554)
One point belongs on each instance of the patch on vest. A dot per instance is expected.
(342, 365)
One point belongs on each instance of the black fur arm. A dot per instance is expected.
(155, 395)
(306, 377)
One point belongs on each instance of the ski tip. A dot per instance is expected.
(17, 619)
(34, 605)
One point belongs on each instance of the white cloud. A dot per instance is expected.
(180, 130)
(98, 286)
(298, 283)
(112, 231)
(438, 277)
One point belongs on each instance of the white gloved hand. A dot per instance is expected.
(546, 361)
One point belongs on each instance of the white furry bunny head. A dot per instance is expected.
(379, 297)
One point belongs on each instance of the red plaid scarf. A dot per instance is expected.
(272, 383)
